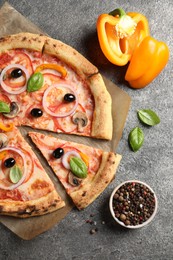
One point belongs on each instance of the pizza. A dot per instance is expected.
(46, 84)
(84, 171)
(25, 188)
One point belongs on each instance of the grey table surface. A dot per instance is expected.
(74, 22)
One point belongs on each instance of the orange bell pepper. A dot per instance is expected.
(2, 154)
(6, 128)
(120, 33)
(56, 67)
(147, 61)
(85, 158)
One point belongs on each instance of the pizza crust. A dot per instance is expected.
(22, 40)
(69, 56)
(25, 209)
(102, 125)
(91, 189)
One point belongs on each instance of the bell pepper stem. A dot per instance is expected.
(118, 12)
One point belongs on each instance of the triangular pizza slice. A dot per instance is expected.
(48, 85)
(25, 188)
(83, 171)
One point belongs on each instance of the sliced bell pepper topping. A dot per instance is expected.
(6, 128)
(85, 158)
(119, 34)
(56, 67)
(2, 154)
(147, 61)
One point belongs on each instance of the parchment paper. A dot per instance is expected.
(31, 227)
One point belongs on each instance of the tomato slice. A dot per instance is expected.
(30, 165)
(50, 78)
(24, 60)
(66, 124)
(4, 98)
(11, 194)
(18, 159)
(12, 82)
(16, 57)
(5, 59)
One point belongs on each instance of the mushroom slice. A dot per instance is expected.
(3, 140)
(73, 180)
(81, 120)
(14, 110)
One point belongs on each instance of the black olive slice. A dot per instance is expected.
(58, 153)
(69, 97)
(16, 73)
(10, 162)
(36, 112)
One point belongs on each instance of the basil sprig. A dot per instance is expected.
(148, 117)
(35, 82)
(4, 107)
(78, 167)
(15, 174)
(136, 138)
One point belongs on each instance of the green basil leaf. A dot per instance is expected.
(148, 117)
(35, 82)
(15, 174)
(136, 139)
(78, 167)
(4, 107)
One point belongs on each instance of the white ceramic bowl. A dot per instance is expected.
(132, 226)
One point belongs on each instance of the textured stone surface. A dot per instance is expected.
(74, 22)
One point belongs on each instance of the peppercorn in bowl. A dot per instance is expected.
(133, 204)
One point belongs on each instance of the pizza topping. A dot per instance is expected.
(66, 158)
(58, 153)
(4, 107)
(14, 110)
(69, 97)
(53, 100)
(73, 180)
(36, 112)
(35, 82)
(10, 162)
(3, 140)
(7, 82)
(78, 167)
(16, 73)
(85, 158)
(24, 172)
(80, 119)
(53, 67)
(15, 174)
(6, 128)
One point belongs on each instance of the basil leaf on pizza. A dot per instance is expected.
(35, 82)
(15, 174)
(4, 107)
(78, 167)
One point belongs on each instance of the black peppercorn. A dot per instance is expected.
(129, 209)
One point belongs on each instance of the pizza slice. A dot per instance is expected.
(25, 188)
(83, 171)
(48, 85)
